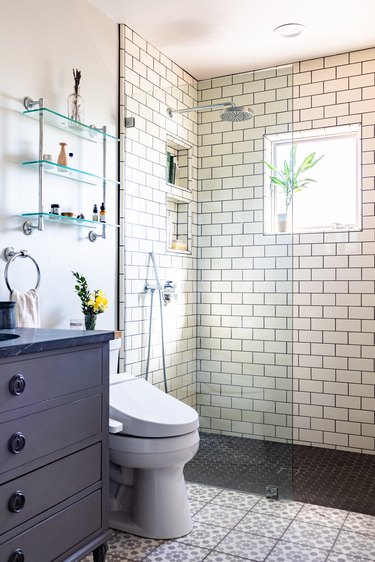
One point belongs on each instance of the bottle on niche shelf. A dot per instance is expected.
(95, 214)
(102, 213)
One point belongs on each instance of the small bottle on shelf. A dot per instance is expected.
(102, 213)
(95, 214)
(55, 209)
(62, 158)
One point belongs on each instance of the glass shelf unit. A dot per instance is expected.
(69, 173)
(69, 220)
(47, 117)
(59, 121)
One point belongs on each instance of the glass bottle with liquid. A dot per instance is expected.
(95, 214)
(102, 213)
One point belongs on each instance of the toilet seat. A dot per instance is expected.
(146, 411)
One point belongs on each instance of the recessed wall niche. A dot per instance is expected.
(178, 225)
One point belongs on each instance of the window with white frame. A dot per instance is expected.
(327, 192)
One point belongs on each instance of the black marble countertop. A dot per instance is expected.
(34, 340)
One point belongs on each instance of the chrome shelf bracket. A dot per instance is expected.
(94, 235)
(29, 103)
(28, 228)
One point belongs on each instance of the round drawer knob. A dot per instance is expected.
(17, 385)
(16, 502)
(16, 443)
(17, 556)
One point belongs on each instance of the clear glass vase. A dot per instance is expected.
(76, 107)
(90, 321)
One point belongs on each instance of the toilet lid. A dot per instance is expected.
(146, 411)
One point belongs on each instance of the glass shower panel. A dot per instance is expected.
(244, 346)
(158, 214)
(233, 361)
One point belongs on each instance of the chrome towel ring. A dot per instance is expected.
(10, 255)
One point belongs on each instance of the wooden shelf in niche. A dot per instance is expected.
(178, 225)
(178, 164)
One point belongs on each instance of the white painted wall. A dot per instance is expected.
(39, 47)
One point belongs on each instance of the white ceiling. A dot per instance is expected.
(209, 38)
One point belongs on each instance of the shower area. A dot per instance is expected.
(270, 336)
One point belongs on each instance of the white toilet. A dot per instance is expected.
(152, 437)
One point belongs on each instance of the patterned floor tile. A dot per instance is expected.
(218, 515)
(311, 535)
(281, 508)
(262, 524)
(177, 552)
(239, 500)
(291, 552)
(360, 523)
(195, 505)
(203, 535)
(337, 557)
(201, 492)
(319, 515)
(243, 545)
(128, 547)
(355, 544)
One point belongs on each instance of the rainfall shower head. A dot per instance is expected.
(232, 113)
(235, 113)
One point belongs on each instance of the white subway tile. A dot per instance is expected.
(361, 442)
(335, 439)
(362, 55)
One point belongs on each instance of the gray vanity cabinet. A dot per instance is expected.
(54, 454)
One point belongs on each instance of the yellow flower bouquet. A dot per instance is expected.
(92, 303)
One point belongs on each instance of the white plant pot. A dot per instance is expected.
(283, 222)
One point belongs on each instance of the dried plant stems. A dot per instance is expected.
(77, 79)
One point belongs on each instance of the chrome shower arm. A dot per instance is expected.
(171, 111)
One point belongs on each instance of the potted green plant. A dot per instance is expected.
(92, 303)
(291, 179)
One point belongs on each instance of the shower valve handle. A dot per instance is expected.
(169, 292)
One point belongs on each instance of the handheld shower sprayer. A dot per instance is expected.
(166, 294)
(168, 291)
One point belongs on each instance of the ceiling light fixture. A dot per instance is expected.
(289, 29)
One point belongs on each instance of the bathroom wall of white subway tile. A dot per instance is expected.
(149, 83)
(333, 273)
(245, 277)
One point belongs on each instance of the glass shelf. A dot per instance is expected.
(59, 121)
(69, 173)
(69, 220)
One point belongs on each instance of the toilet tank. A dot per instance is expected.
(114, 351)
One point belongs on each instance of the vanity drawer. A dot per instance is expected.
(54, 536)
(34, 436)
(29, 381)
(35, 492)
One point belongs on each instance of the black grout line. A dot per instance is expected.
(338, 534)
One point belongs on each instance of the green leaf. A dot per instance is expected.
(277, 181)
(270, 166)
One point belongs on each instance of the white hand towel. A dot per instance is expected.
(26, 309)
